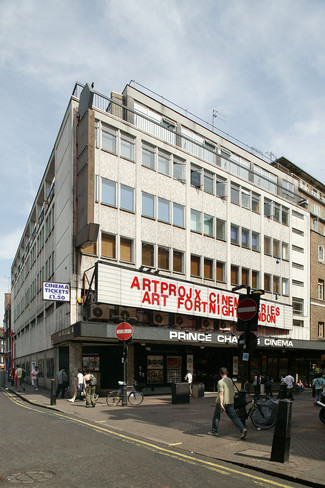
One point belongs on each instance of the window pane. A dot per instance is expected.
(255, 203)
(195, 265)
(195, 220)
(245, 276)
(255, 241)
(276, 212)
(109, 140)
(285, 216)
(148, 205)
(127, 198)
(234, 275)
(127, 147)
(196, 176)
(208, 225)
(208, 272)
(221, 229)
(234, 234)
(163, 210)
(108, 192)
(178, 259)
(267, 282)
(220, 270)
(178, 215)
(91, 249)
(285, 287)
(276, 248)
(164, 163)
(147, 254)
(267, 245)
(246, 199)
(148, 157)
(179, 169)
(208, 182)
(245, 238)
(163, 258)
(126, 246)
(221, 187)
(255, 279)
(285, 251)
(234, 194)
(276, 284)
(108, 246)
(298, 306)
(267, 208)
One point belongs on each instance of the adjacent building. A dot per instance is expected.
(146, 216)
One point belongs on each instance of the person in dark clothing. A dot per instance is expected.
(62, 382)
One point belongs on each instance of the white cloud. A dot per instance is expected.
(9, 244)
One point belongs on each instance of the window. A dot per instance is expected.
(196, 173)
(255, 279)
(235, 193)
(195, 221)
(315, 225)
(234, 230)
(164, 163)
(285, 287)
(320, 289)
(285, 216)
(321, 254)
(178, 169)
(148, 205)
(108, 139)
(127, 198)
(208, 269)
(245, 238)
(221, 186)
(298, 306)
(220, 271)
(267, 282)
(245, 198)
(245, 276)
(108, 192)
(178, 215)
(276, 285)
(321, 329)
(208, 225)
(148, 156)
(147, 254)
(108, 246)
(297, 248)
(267, 245)
(267, 207)
(127, 147)
(163, 258)
(285, 251)
(276, 212)
(255, 203)
(195, 265)
(221, 229)
(255, 241)
(297, 231)
(208, 181)
(234, 275)
(163, 210)
(178, 261)
(276, 248)
(126, 250)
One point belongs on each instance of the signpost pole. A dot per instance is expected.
(124, 333)
(124, 360)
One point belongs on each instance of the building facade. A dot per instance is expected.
(150, 218)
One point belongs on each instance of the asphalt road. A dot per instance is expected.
(40, 447)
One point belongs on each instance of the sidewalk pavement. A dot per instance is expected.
(185, 427)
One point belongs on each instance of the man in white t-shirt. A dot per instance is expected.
(289, 381)
(189, 379)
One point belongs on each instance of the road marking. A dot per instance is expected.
(166, 452)
(175, 444)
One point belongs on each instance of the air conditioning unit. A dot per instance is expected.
(99, 312)
(127, 313)
(207, 324)
(160, 318)
(224, 325)
(180, 320)
(185, 322)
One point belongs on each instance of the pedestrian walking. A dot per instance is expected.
(189, 379)
(34, 375)
(318, 383)
(62, 379)
(19, 377)
(268, 386)
(289, 381)
(80, 387)
(89, 389)
(225, 403)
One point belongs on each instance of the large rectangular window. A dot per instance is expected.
(148, 205)
(108, 246)
(267, 282)
(126, 250)
(208, 225)
(267, 245)
(127, 198)
(148, 257)
(320, 289)
(298, 306)
(221, 187)
(208, 182)
(148, 156)
(108, 192)
(178, 261)
(196, 175)
(235, 193)
(256, 203)
(178, 169)
(208, 269)
(245, 276)
(234, 234)
(164, 163)
(178, 215)
(196, 221)
(276, 248)
(109, 139)
(220, 271)
(163, 258)
(195, 265)
(276, 285)
(234, 275)
(245, 238)
(255, 241)
(127, 147)
(163, 210)
(255, 279)
(221, 229)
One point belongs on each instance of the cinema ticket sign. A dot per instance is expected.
(141, 290)
(58, 292)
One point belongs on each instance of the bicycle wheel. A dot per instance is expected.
(263, 417)
(135, 397)
(113, 398)
(322, 415)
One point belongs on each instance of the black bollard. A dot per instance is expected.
(282, 432)
(282, 392)
(53, 393)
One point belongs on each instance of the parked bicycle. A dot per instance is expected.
(262, 412)
(134, 397)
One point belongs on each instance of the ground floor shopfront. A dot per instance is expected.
(158, 357)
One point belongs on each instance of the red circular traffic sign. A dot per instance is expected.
(124, 331)
(247, 309)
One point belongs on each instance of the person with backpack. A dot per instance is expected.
(90, 383)
(318, 383)
(20, 377)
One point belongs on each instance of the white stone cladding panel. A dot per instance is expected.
(127, 173)
(127, 225)
(108, 166)
(165, 235)
(179, 239)
(109, 221)
(148, 230)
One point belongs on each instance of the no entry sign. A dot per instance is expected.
(247, 309)
(124, 331)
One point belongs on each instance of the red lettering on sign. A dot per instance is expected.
(146, 298)
(146, 284)
(135, 283)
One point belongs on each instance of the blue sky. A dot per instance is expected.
(260, 63)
